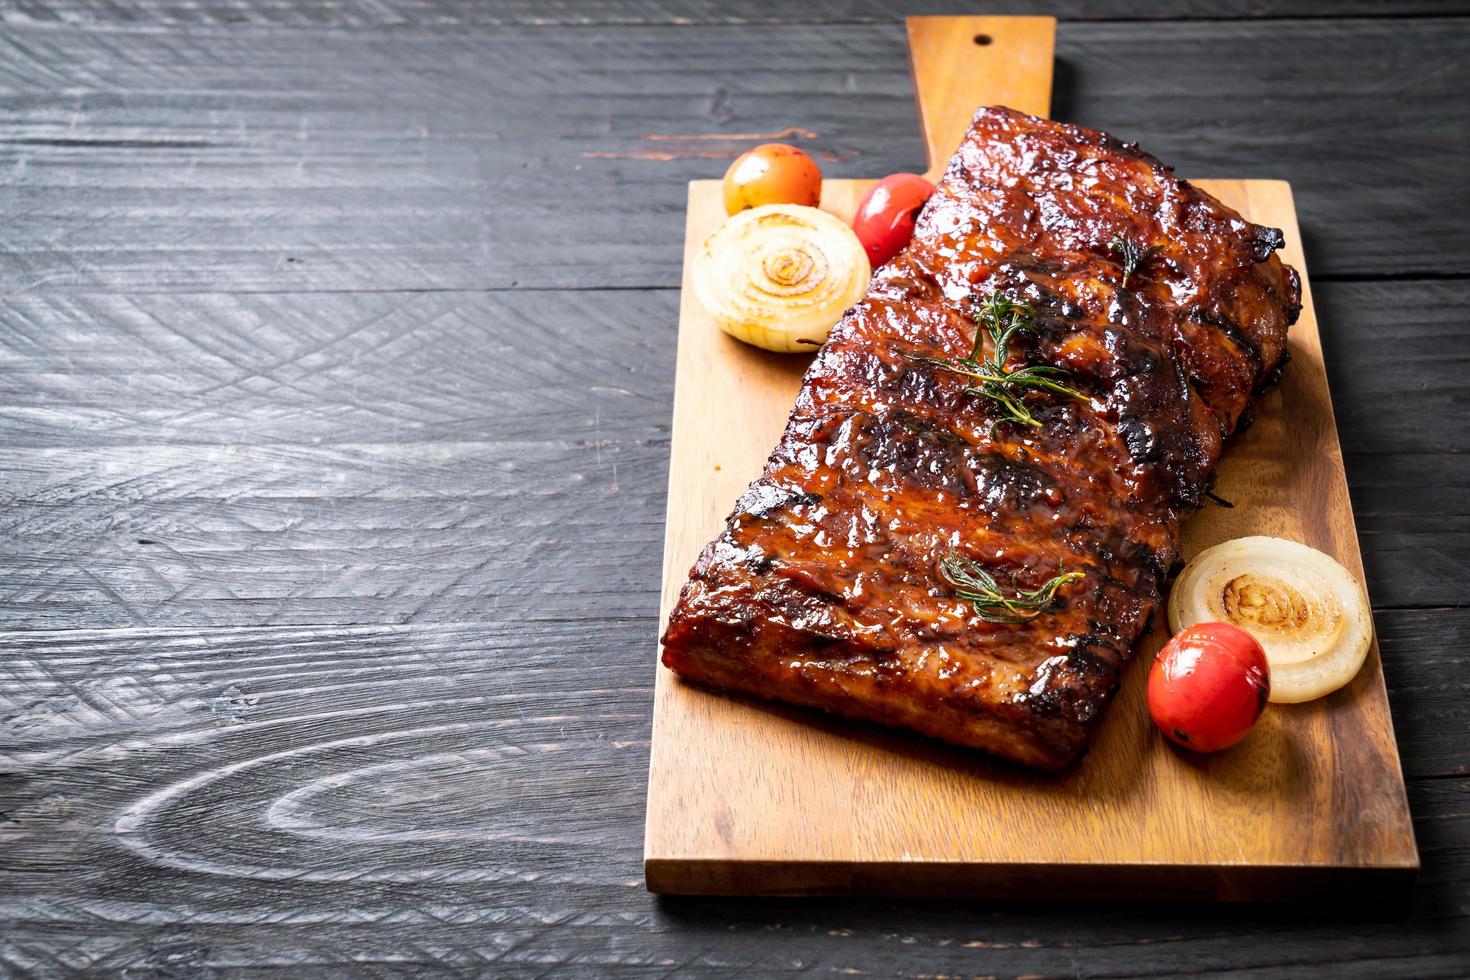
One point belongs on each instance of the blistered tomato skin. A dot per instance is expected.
(1208, 686)
(772, 173)
(885, 218)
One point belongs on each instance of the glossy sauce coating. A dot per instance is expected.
(825, 589)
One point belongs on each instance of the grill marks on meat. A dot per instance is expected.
(824, 589)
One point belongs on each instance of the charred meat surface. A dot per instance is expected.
(1165, 309)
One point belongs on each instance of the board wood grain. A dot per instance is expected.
(746, 797)
(1002, 60)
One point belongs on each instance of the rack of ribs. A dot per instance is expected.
(832, 584)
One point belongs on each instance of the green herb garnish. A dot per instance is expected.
(1002, 318)
(978, 587)
(1132, 255)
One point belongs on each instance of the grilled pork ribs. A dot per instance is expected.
(834, 585)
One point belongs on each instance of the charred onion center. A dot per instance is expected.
(793, 269)
(1270, 604)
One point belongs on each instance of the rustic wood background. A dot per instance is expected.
(335, 374)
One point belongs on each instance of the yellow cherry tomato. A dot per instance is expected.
(772, 173)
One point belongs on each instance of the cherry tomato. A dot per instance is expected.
(885, 219)
(1208, 686)
(772, 173)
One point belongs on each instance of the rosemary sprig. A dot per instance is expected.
(1002, 318)
(978, 587)
(1132, 255)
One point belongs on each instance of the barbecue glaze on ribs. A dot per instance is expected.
(825, 587)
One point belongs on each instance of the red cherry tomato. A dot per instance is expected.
(885, 219)
(1208, 686)
(772, 173)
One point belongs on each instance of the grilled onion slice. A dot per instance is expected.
(1308, 613)
(781, 275)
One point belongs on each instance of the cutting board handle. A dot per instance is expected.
(961, 63)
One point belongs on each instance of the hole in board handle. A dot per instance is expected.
(983, 39)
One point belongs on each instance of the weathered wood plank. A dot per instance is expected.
(368, 14)
(115, 370)
(1400, 377)
(71, 692)
(275, 158)
(389, 798)
(371, 533)
(251, 534)
(1399, 389)
(1412, 525)
(1427, 670)
(80, 371)
(352, 458)
(332, 457)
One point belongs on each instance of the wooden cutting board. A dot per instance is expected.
(746, 797)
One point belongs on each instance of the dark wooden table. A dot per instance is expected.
(336, 350)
